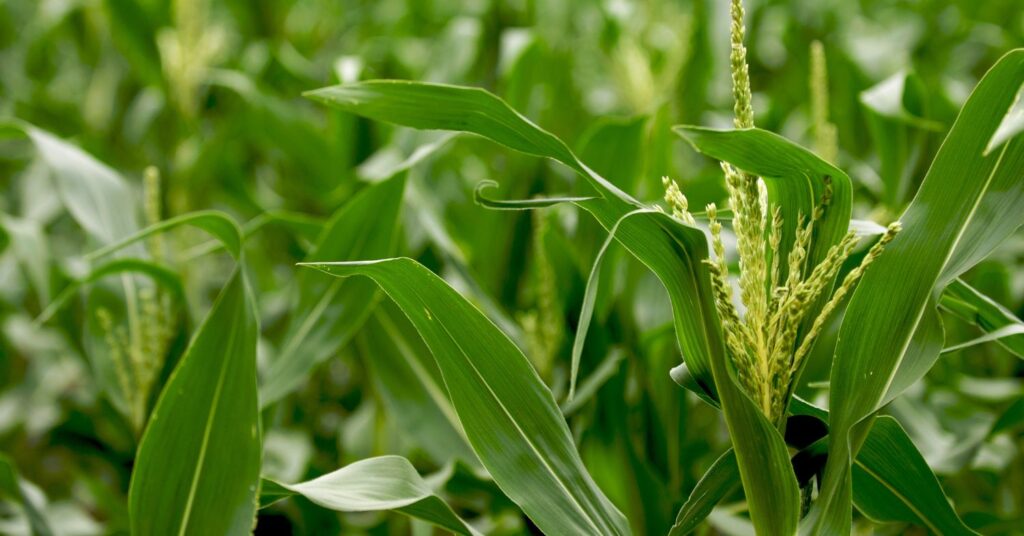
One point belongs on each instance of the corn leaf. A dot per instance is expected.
(99, 199)
(717, 482)
(328, 313)
(213, 222)
(672, 251)
(198, 463)
(892, 482)
(11, 488)
(894, 294)
(971, 306)
(509, 415)
(410, 385)
(375, 484)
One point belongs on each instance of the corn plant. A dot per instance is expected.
(781, 279)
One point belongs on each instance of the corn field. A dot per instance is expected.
(511, 267)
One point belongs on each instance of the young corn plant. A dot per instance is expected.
(791, 216)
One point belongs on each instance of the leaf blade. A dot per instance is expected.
(198, 462)
(484, 372)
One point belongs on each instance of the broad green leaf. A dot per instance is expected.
(197, 467)
(461, 109)
(11, 488)
(673, 251)
(329, 312)
(893, 296)
(410, 385)
(220, 226)
(971, 306)
(375, 484)
(892, 482)
(508, 414)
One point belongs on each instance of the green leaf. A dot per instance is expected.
(615, 148)
(329, 312)
(96, 196)
(375, 484)
(410, 385)
(892, 482)
(971, 306)
(717, 482)
(30, 247)
(461, 109)
(674, 252)
(508, 413)
(214, 222)
(518, 204)
(589, 295)
(894, 294)
(895, 117)
(11, 487)
(1012, 125)
(198, 463)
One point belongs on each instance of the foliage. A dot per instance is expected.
(511, 267)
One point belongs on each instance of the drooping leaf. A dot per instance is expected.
(375, 484)
(197, 467)
(216, 223)
(891, 299)
(329, 312)
(672, 251)
(509, 415)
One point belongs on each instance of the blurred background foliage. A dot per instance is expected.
(209, 93)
